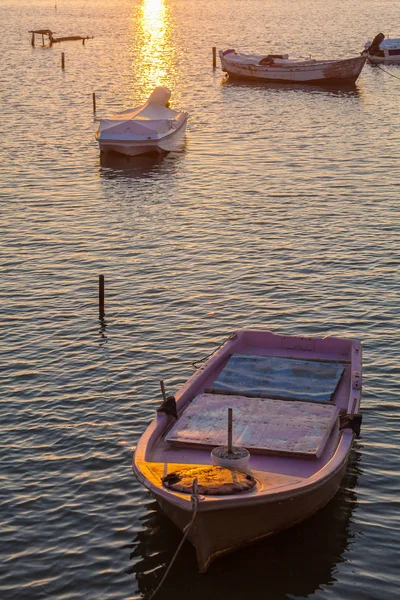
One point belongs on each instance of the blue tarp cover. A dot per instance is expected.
(276, 377)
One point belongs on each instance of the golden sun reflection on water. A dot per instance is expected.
(153, 49)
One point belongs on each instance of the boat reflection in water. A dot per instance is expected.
(147, 166)
(297, 561)
(350, 90)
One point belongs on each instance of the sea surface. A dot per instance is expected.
(281, 213)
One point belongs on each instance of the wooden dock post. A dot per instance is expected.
(214, 52)
(94, 102)
(62, 61)
(101, 296)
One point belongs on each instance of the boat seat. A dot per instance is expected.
(262, 425)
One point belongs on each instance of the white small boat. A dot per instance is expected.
(152, 127)
(383, 51)
(278, 68)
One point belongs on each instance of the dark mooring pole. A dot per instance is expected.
(101, 296)
(62, 61)
(94, 102)
(214, 51)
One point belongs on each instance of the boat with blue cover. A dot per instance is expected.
(257, 440)
(383, 50)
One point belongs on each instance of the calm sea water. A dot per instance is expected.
(281, 213)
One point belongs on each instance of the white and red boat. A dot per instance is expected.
(152, 127)
(295, 404)
(279, 69)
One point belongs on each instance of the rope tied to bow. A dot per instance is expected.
(195, 503)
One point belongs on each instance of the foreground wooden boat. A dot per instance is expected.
(149, 128)
(278, 68)
(295, 403)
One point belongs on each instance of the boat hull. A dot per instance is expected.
(221, 531)
(384, 60)
(172, 142)
(323, 72)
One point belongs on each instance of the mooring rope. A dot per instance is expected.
(388, 72)
(195, 364)
(195, 503)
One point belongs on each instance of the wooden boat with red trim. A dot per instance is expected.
(295, 404)
(278, 68)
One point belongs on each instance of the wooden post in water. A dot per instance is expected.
(33, 39)
(62, 61)
(214, 51)
(101, 296)
(230, 419)
(94, 102)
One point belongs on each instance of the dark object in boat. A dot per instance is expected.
(374, 49)
(269, 60)
(212, 481)
(168, 406)
(352, 422)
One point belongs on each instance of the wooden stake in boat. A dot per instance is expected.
(214, 52)
(230, 418)
(168, 405)
(101, 296)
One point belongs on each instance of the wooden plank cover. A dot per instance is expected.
(265, 425)
(279, 377)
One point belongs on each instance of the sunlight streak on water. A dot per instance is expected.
(152, 34)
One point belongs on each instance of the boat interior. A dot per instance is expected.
(285, 410)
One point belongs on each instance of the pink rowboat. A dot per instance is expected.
(228, 482)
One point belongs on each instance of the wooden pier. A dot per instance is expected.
(55, 40)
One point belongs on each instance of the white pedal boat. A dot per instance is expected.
(152, 127)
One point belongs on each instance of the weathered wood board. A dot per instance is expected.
(265, 425)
